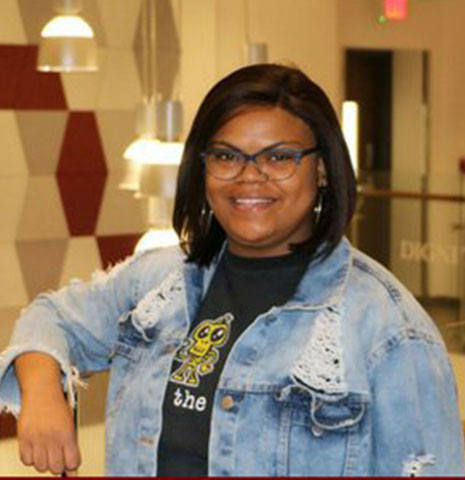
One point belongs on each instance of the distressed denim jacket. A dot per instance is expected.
(349, 377)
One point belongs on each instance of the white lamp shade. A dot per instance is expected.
(152, 151)
(157, 238)
(131, 177)
(67, 26)
(67, 44)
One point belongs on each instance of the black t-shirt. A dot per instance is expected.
(240, 290)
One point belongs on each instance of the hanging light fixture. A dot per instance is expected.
(157, 238)
(154, 155)
(160, 232)
(160, 145)
(158, 124)
(67, 42)
(256, 52)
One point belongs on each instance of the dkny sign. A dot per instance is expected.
(415, 251)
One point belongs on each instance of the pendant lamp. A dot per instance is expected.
(67, 42)
(256, 52)
(158, 124)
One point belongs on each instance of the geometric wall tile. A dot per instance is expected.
(21, 86)
(12, 193)
(81, 259)
(168, 51)
(81, 197)
(11, 25)
(109, 122)
(36, 13)
(12, 158)
(132, 212)
(7, 425)
(41, 263)
(82, 150)
(167, 54)
(42, 136)
(12, 288)
(42, 216)
(8, 317)
(167, 67)
(114, 248)
(120, 88)
(82, 88)
(81, 173)
(119, 19)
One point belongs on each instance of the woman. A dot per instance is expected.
(268, 345)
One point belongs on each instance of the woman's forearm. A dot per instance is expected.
(38, 373)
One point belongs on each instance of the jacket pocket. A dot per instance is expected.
(129, 339)
(324, 430)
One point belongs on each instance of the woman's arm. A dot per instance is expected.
(77, 326)
(46, 434)
(59, 335)
(416, 424)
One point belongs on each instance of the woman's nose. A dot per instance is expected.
(251, 173)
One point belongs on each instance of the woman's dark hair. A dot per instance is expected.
(273, 86)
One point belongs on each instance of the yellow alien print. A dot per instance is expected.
(199, 352)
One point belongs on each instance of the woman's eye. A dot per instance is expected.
(225, 156)
(280, 156)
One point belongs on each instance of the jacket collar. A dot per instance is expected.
(324, 281)
(321, 286)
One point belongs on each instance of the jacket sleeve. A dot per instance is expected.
(76, 325)
(416, 425)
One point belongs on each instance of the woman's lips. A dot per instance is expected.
(251, 203)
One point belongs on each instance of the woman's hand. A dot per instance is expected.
(46, 434)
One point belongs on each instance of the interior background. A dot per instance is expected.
(62, 136)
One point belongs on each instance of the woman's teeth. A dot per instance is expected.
(252, 201)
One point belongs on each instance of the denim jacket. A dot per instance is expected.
(349, 377)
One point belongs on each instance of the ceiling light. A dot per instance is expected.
(149, 148)
(67, 42)
(155, 238)
(154, 152)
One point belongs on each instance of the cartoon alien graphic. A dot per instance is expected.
(199, 353)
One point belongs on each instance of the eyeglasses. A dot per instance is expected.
(275, 163)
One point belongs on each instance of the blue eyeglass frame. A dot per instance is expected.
(297, 156)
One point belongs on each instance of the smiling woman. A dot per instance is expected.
(266, 345)
(265, 109)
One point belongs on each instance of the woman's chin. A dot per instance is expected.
(257, 247)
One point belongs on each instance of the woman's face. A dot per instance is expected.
(262, 217)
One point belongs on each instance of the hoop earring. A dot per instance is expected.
(318, 208)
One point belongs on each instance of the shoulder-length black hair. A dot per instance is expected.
(263, 85)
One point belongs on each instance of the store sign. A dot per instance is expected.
(429, 252)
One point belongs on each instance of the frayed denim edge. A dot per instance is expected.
(71, 373)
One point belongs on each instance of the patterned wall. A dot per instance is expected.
(61, 143)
